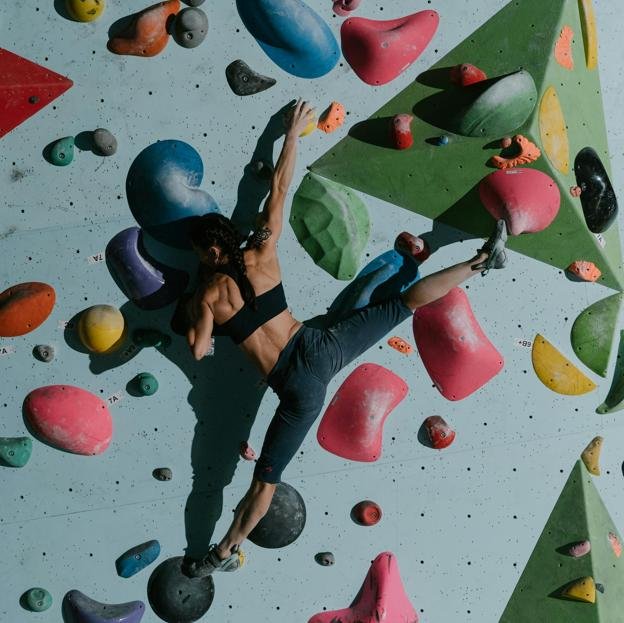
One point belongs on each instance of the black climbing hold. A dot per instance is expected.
(284, 521)
(162, 473)
(104, 142)
(43, 352)
(190, 27)
(177, 598)
(597, 197)
(326, 559)
(33, 99)
(600, 587)
(243, 80)
(78, 608)
(262, 169)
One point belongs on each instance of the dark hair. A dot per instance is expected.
(216, 229)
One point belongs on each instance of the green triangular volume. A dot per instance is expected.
(615, 398)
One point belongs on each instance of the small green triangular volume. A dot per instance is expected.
(441, 182)
(615, 398)
(579, 515)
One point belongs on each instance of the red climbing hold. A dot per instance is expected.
(366, 513)
(380, 50)
(25, 88)
(466, 74)
(352, 425)
(440, 433)
(402, 132)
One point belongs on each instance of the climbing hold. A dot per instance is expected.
(345, 7)
(556, 372)
(243, 80)
(616, 546)
(402, 132)
(190, 27)
(506, 142)
(246, 451)
(525, 151)
(591, 456)
(85, 10)
(600, 587)
(43, 352)
(101, 328)
(146, 338)
(163, 191)
(15, 451)
(148, 283)
(105, 142)
(582, 589)
(380, 50)
(587, 271)
(69, 418)
(24, 307)
(332, 118)
(554, 131)
(137, 558)
(527, 199)
(194, 2)
(177, 598)
(78, 608)
(398, 343)
(331, 223)
(615, 398)
(146, 33)
(25, 88)
(146, 384)
(262, 169)
(366, 513)
(454, 349)
(598, 198)
(325, 559)
(309, 128)
(293, 36)
(381, 598)
(580, 549)
(37, 599)
(162, 473)
(466, 74)
(576, 191)
(284, 521)
(441, 141)
(593, 332)
(352, 425)
(440, 433)
(62, 152)
(590, 33)
(563, 48)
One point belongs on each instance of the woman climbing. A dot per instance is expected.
(240, 294)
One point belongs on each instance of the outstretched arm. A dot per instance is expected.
(199, 336)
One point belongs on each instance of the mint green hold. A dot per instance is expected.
(331, 223)
(37, 599)
(62, 152)
(15, 451)
(146, 383)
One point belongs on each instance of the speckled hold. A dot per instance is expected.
(37, 599)
(15, 451)
(104, 141)
(325, 559)
(44, 352)
(243, 80)
(62, 152)
(190, 27)
(162, 473)
(146, 383)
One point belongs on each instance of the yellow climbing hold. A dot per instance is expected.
(85, 10)
(101, 328)
(583, 589)
(553, 131)
(309, 128)
(557, 372)
(591, 456)
(590, 33)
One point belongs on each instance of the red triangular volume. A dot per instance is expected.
(25, 88)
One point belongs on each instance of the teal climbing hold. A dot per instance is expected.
(146, 383)
(615, 398)
(593, 332)
(37, 599)
(331, 223)
(15, 451)
(62, 152)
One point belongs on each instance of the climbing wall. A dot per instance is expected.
(453, 522)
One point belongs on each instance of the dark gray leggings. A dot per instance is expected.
(304, 368)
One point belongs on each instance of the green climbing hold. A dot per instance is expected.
(62, 152)
(15, 451)
(331, 223)
(146, 383)
(593, 332)
(150, 337)
(615, 398)
(37, 599)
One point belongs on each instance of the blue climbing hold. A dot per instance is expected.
(137, 558)
(292, 35)
(78, 608)
(163, 191)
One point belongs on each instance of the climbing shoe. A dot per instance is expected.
(495, 248)
(211, 562)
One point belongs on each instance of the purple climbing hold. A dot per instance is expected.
(78, 608)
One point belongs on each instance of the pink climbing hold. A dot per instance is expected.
(381, 598)
(402, 131)
(69, 418)
(576, 191)
(466, 74)
(455, 352)
(352, 425)
(380, 50)
(344, 7)
(580, 549)
(527, 199)
(440, 433)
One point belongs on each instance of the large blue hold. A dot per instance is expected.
(78, 608)
(163, 191)
(292, 34)
(137, 558)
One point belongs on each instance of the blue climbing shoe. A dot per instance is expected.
(495, 248)
(211, 562)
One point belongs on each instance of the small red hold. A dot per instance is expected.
(615, 544)
(398, 343)
(366, 513)
(576, 191)
(466, 74)
(344, 7)
(506, 142)
(584, 270)
(246, 451)
(402, 132)
(440, 433)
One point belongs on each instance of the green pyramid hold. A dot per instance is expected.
(579, 515)
(441, 182)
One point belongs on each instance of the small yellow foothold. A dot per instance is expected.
(591, 456)
(583, 589)
(85, 10)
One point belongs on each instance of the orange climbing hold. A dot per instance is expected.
(587, 271)
(526, 152)
(466, 74)
(402, 131)
(24, 307)
(146, 35)
(332, 118)
(563, 48)
(398, 343)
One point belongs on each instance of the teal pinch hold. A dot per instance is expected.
(15, 451)
(62, 152)
(37, 599)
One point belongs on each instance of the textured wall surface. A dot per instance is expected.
(462, 522)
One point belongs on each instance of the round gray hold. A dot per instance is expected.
(326, 559)
(162, 473)
(104, 141)
(44, 352)
(190, 27)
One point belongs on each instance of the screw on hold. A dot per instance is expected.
(325, 559)
(33, 99)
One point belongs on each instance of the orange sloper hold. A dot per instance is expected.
(587, 271)
(563, 48)
(398, 343)
(528, 152)
(332, 118)
(146, 34)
